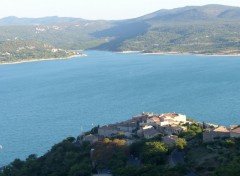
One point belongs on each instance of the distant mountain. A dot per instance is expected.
(207, 12)
(12, 20)
(209, 29)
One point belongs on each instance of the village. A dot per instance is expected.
(169, 126)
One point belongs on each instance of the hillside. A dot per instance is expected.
(141, 149)
(18, 50)
(210, 29)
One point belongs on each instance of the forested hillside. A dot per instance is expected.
(210, 29)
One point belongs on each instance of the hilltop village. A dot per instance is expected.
(146, 145)
(180, 145)
(169, 126)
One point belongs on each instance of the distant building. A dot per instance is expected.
(219, 132)
(143, 128)
(170, 129)
(90, 138)
(150, 133)
(173, 117)
(154, 121)
(142, 117)
(108, 131)
(170, 140)
(127, 126)
(235, 133)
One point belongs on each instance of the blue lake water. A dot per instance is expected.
(41, 103)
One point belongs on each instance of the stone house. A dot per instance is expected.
(235, 133)
(170, 140)
(153, 121)
(170, 129)
(127, 126)
(150, 133)
(108, 130)
(219, 132)
(141, 118)
(90, 138)
(143, 127)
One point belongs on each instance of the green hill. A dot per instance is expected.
(210, 29)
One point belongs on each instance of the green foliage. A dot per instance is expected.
(154, 153)
(64, 159)
(136, 148)
(110, 153)
(18, 50)
(178, 31)
(181, 143)
(231, 169)
(187, 37)
(229, 143)
(94, 130)
(192, 131)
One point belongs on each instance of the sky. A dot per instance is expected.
(96, 9)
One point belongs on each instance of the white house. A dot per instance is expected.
(174, 116)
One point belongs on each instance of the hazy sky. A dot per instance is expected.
(96, 9)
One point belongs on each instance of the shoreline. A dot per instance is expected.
(43, 59)
(128, 52)
(123, 52)
(178, 53)
(194, 54)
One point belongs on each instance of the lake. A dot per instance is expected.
(41, 103)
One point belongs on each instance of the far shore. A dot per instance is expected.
(180, 53)
(128, 52)
(43, 59)
(123, 52)
(214, 55)
(195, 54)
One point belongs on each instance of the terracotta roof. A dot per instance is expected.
(221, 129)
(155, 119)
(236, 130)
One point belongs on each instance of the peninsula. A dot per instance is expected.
(147, 144)
(13, 52)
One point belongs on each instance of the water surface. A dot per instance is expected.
(41, 103)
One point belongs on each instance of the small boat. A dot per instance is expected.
(1, 147)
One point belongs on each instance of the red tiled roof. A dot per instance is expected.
(155, 119)
(236, 130)
(221, 129)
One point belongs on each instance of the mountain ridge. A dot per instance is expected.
(210, 9)
(209, 29)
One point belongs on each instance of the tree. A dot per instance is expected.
(181, 143)
(154, 153)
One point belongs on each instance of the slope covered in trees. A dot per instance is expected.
(210, 29)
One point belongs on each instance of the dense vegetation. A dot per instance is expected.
(211, 29)
(69, 158)
(74, 157)
(13, 51)
(196, 37)
(64, 159)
